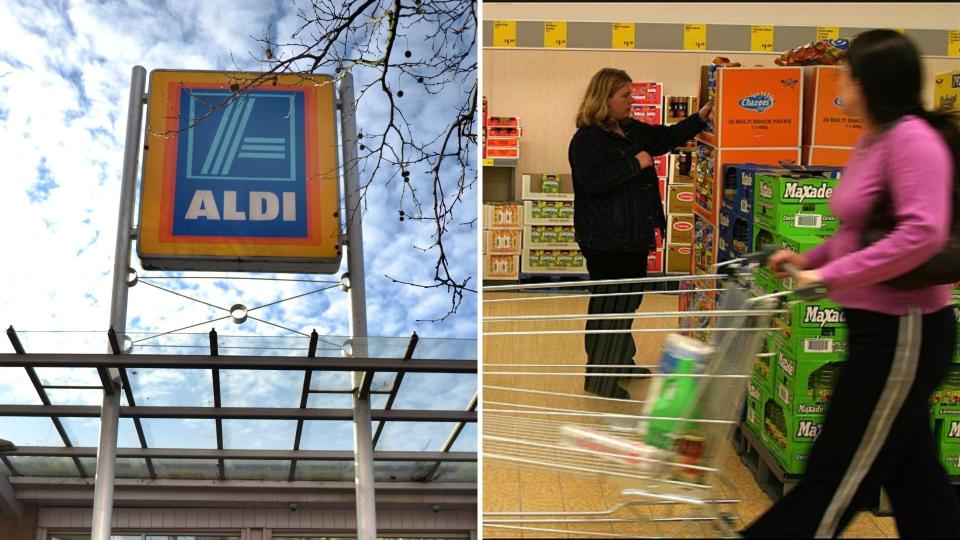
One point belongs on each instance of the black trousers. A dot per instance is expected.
(877, 433)
(611, 349)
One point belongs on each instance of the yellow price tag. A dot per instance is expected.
(761, 38)
(624, 36)
(694, 37)
(555, 34)
(902, 31)
(953, 43)
(828, 32)
(504, 33)
(488, 162)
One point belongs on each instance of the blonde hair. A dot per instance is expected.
(595, 110)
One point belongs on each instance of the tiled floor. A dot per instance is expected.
(546, 486)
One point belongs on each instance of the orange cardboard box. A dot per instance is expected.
(680, 199)
(709, 167)
(678, 258)
(824, 122)
(503, 152)
(501, 267)
(503, 216)
(503, 121)
(655, 262)
(826, 156)
(508, 142)
(757, 107)
(502, 241)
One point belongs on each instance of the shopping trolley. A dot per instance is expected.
(536, 416)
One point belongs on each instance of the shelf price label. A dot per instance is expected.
(828, 32)
(761, 38)
(694, 37)
(555, 34)
(953, 43)
(624, 36)
(488, 162)
(903, 31)
(504, 33)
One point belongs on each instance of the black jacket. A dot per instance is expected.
(617, 203)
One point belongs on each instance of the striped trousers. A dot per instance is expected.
(876, 433)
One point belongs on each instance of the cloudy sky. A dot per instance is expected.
(64, 82)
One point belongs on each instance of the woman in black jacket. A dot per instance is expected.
(618, 206)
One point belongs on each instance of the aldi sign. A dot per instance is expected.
(240, 180)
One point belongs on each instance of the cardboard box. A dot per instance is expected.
(795, 202)
(655, 262)
(505, 153)
(503, 142)
(676, 108)
(805, 387)
(680, 229)
(790, 437)
(678, 258)
(756, 397)
(503, 216)
(661, 163)
(662, 185)
(736, 232)
(824, 122)
(503, 121)
(548, 212)
(500, 267)
(946, 90)
(755, 107)
(648, 93)
(553, 261)
(502, 131)
(502, 242)
(648, 114)
(711, 163)
(535, 185)
(680, 199)
(826, 156)
(764, 369)
(549, 237)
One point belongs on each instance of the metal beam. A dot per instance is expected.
(204, 453)
(304, 398)
(128, 391)
(19, 482)
(9, 505)
(472, 406)
(215, 351)
(240, 413)
(235, 362)
(397, 381)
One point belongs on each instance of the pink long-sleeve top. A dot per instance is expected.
(912, 160)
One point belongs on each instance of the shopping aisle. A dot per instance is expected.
(530, 488)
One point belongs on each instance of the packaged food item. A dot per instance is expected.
(825, 52)
(551, 183)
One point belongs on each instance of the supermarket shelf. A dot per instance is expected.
(500, 162)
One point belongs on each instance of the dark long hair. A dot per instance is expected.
(887, 66)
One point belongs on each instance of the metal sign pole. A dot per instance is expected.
(363, 439)
(110, 412)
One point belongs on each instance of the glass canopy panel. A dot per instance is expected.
(62, 376)
(451, 471)
(437, 391)
(16, 388)
(259, 434)
(466, 441)
(80, 396)
(330, 380)
(330, 401)
(378, 401)
(125, 468)
(401, 471)
(258, 345)
(30, 431)
(64, 341)
(383, 381)
(414, 436)
(186, 469)
(256, 469)
(85, 432)
(325, 471)
(180, 433)
(260, 388)
(44, 466)
(327, 435)
(4, 471)
(171, 387)
(446, 349)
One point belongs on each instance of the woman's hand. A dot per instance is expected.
(645, 159)
(807, 277)
(786, 256)
(706, 111)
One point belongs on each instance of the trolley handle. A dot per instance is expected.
(816, 291)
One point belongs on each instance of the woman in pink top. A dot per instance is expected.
(901, 342)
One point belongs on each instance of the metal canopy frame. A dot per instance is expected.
(112, 371)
